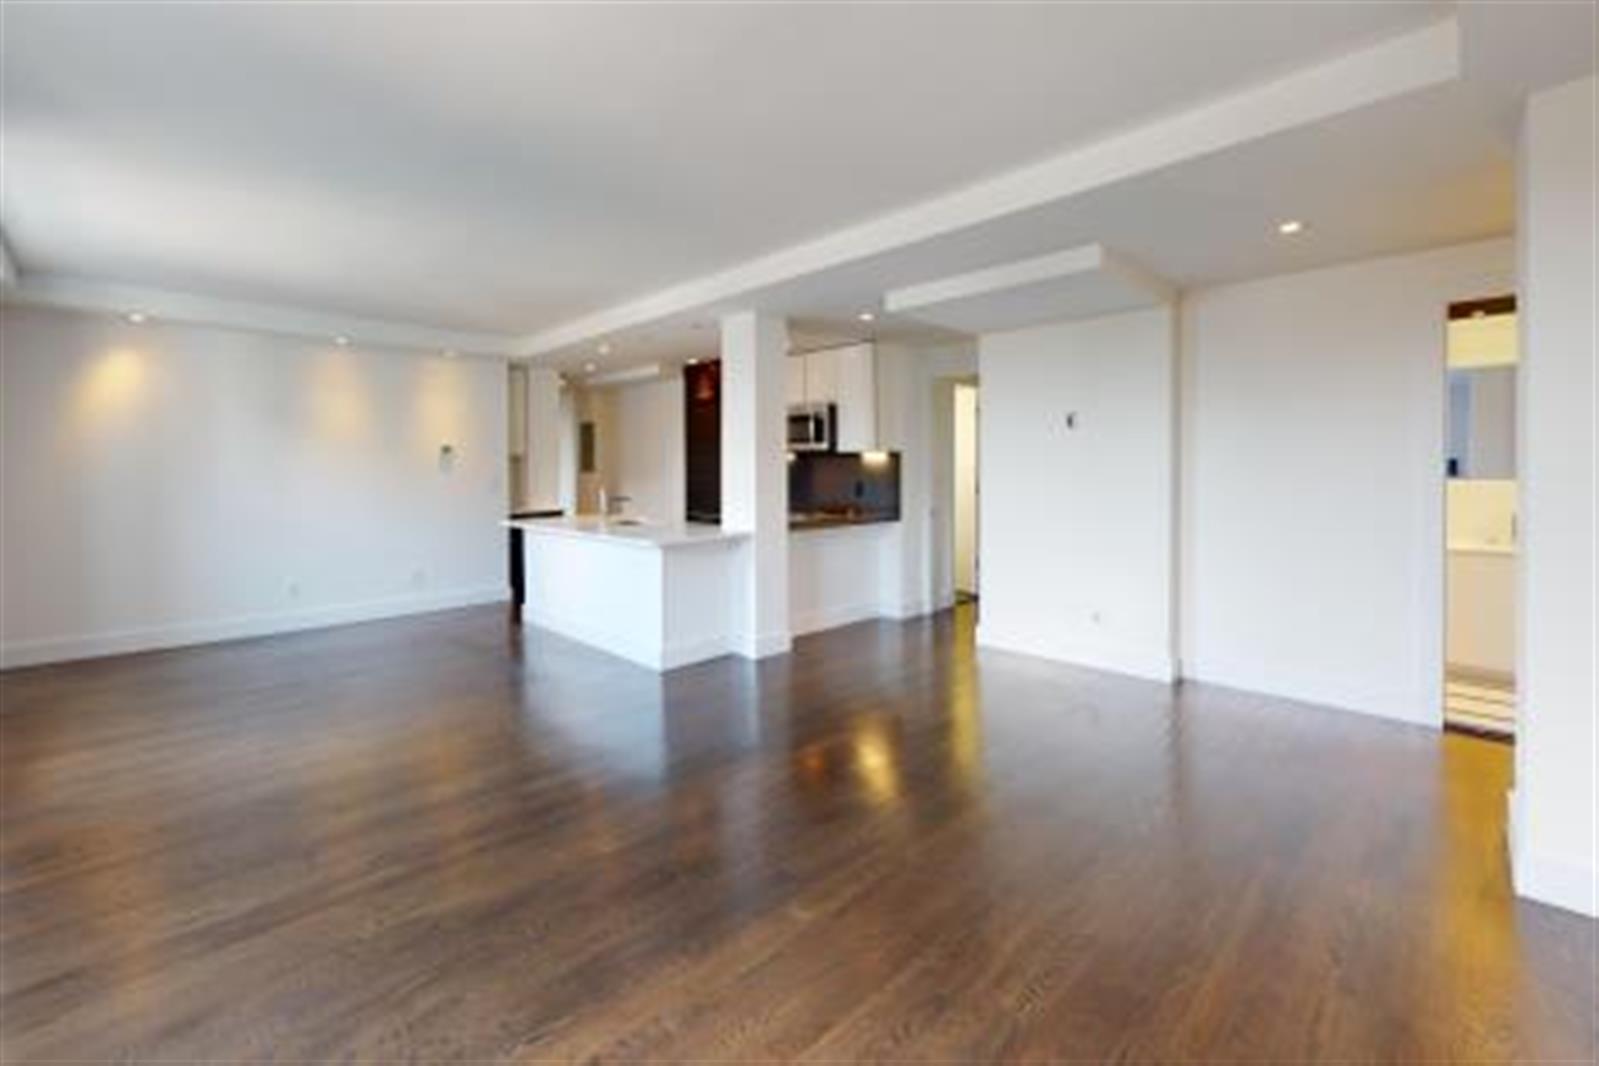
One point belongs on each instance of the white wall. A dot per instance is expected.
(1480, 624)
(916, 418)
(593, 406)
(1492, 340)
(1481, 512)
(1481, 621)
(516, 396)
(1312, 493)
(646, 451)
(162, 484)
(965, 489)
(1077, 545)
(547, 427)
(1554, 807)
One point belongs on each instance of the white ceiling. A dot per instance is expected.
(1081, 282)
(513, 169)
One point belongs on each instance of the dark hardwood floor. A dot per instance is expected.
(438, 838)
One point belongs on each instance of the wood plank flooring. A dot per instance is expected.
(441, 838)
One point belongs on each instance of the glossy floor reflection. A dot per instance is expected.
(443, 838)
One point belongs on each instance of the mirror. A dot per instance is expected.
(1482, 422)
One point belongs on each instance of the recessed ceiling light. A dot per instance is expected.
(1290, 227)
(604, 349)
(137, 317)
(693, 362)
(342, 341)
(589, 368)
(866, 316)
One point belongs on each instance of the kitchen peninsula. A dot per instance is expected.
(661, 595)
(664, 592)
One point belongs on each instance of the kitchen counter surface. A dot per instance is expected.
(629, 532)
(801, 520)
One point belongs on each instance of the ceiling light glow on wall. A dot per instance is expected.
(138, 318)
(449, 353)
(589, 368)
(605, 349)
(342, 341)
(1290, 227)
(866, 316)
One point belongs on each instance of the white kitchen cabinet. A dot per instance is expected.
(812, 377)
(845, 377)
(855, 385)
(794, 380)
(821, 376)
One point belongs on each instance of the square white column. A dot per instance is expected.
(755, 473)
(1553, 810)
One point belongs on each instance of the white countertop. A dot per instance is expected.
(631, 532)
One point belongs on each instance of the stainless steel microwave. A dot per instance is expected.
(811, 427)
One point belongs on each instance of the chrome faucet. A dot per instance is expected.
(611, 506)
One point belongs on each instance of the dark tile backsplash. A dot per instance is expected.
(844, 483)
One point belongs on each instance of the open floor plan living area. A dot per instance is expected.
(766, 532)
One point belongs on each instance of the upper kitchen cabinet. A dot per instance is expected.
(813, 377)
(847, 378)
(821, 376)
(794, 380)
(855, 384)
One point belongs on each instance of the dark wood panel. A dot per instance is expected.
(702, 429)
(1488, 305)
(443, 838)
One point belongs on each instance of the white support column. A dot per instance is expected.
(755, 472)
(1554, 806)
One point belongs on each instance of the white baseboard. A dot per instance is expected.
(819, 620)
(1557, 881)
(628, 645)
(686, 653)
(620, 643)
(1149, 664)
(914, 608)
(766, 645)
(1336, 692)
(209, 631)
(1572, 886)
(815, 621)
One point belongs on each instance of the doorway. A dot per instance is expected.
(966, 510)
(1480, 517)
